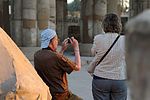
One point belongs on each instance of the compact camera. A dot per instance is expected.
(69, 40)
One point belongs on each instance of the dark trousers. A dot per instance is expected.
(106, 89)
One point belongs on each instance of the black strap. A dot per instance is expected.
(108, 50)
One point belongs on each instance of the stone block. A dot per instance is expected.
(29, 4)
(43, 4)
(29, 23)
(29, 14)
(100, 7)
(30, 37)
(17, 9)
(52, 25)
(39, 38)
(43, 14)
(42, 24)
(17, 32)
(52, 3)
(29, 52)
(52, 12)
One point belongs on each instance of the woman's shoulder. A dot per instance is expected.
(99, 36)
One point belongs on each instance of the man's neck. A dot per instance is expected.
(48, 48)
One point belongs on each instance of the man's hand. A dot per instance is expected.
(64, 45)
(75, 44)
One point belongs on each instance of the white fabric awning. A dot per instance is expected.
(18, 78)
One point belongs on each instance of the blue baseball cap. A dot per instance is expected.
(46, 36)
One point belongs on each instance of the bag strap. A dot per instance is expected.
(108, 49)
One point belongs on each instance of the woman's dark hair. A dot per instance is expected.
(112, 23)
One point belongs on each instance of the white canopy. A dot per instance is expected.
(18, 78)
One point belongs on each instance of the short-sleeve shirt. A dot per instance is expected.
(52, 68)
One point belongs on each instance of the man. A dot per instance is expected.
(52, 66)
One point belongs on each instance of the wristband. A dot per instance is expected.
(76, 50)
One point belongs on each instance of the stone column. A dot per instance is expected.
(43, 15)
(29, 18)
(100, 9)
(113, 6)
(1, 5)
(61, 16)
(137, 6)
(138, 56)
(52, 19)
(84, 20)
(1, 14)
(92, 14)
(16, 23)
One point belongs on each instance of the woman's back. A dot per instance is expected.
(113, 65)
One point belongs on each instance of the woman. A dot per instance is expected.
(109, 77)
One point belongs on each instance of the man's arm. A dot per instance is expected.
(64, 46)
(77, 59)
(75, 45)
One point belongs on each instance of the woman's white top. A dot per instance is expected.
(113, 65)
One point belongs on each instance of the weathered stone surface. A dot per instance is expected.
(17, 32)
(61, 12)
(52, 12)
(29, 37)
(92, 13)
(43, 4)
(52, 25)
(100, 7)
(16, 22)
(43, 14)
(29, 18)
(138, 56)
(29, 4)
(52, 3)
(88, 7)
(18, 78)
(113, 6)
(17, 9)
(29, 14)
(28, 23)
(42, 24)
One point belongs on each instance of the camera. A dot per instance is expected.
(69, 40)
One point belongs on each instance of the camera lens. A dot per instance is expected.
(69, 40)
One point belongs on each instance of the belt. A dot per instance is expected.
(61, 96)
(97, 77)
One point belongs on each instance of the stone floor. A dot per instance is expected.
(80, 83)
